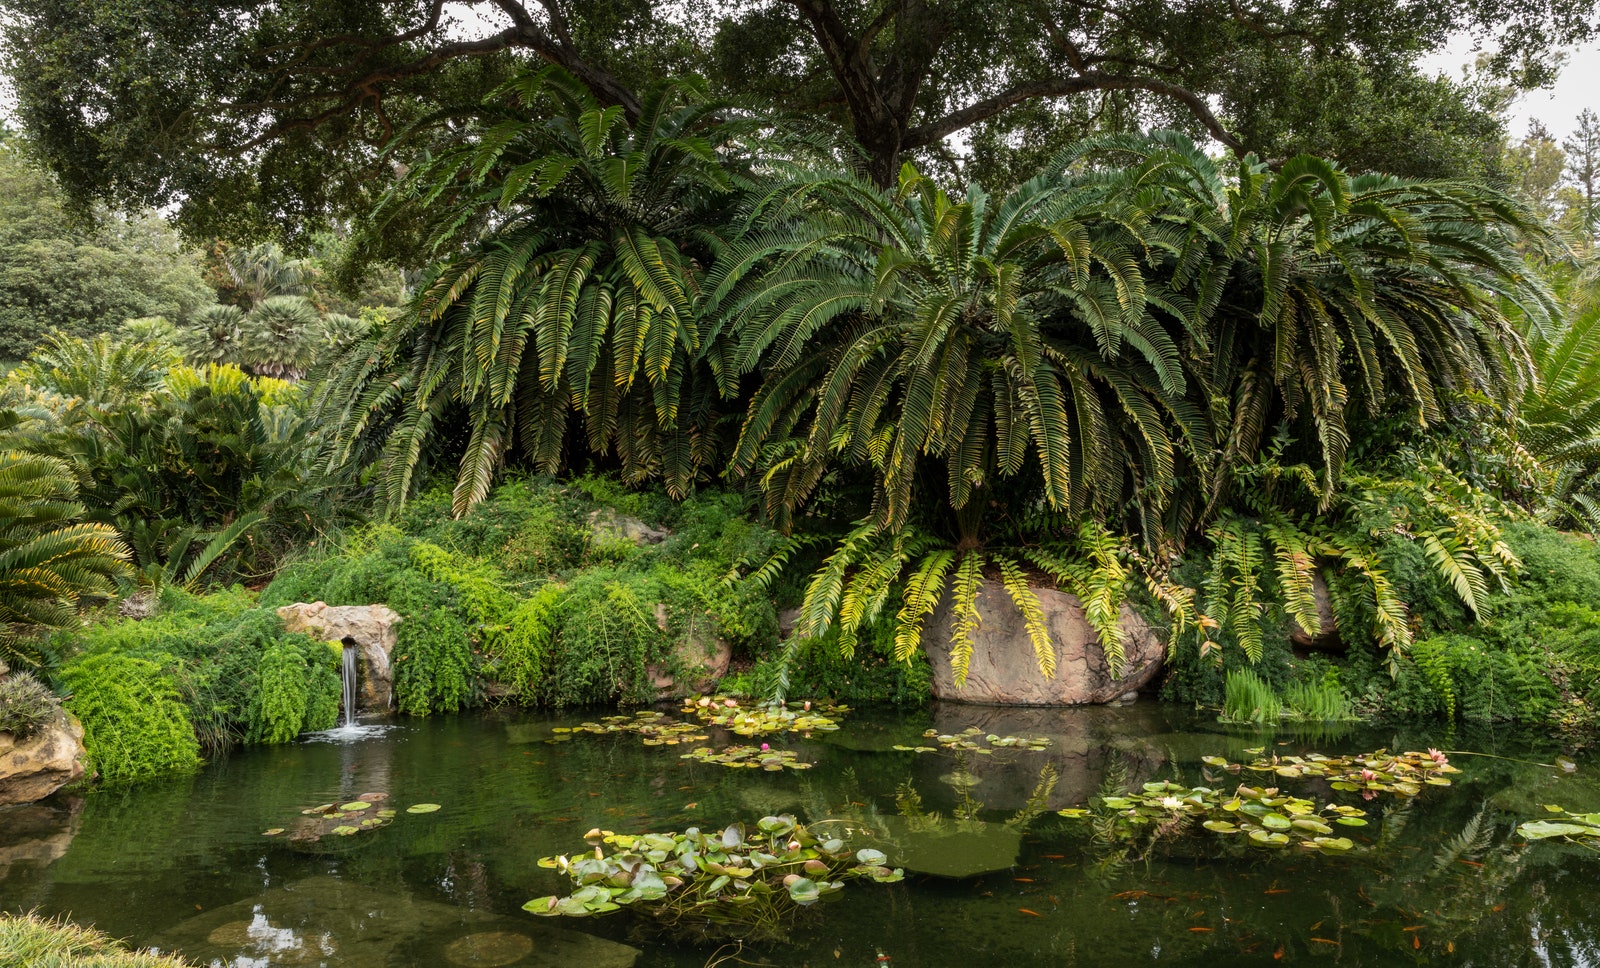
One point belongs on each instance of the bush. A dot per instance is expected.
(135, 723)
(26, 704)
(27, 939)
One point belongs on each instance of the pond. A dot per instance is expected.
(994, 875)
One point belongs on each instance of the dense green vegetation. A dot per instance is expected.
(624, 360)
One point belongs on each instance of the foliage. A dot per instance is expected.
(241, 678)
(26, 704)
(734, 882)
(433, 665)
(135, 725)
(572, 261)
(58, 273)
(1249, 700)
(200, 469)
(254, 119)
(28, 939)
(49, 559)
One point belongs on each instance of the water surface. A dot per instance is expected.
(994, 876)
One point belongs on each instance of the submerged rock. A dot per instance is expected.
(35, 766)
(370, 628)
(327, 921)
(1003, 670)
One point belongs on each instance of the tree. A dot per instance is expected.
(1534, 167)
(56, 274)
(1583, 168)
(254, 114)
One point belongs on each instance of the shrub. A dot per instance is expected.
(25, 704)
(434, 669)
(135, 723)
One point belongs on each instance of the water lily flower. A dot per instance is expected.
(1439, 758)
(765, 747)
(806, 705)
(1171, 803)
(1367, 776)
(730, 703)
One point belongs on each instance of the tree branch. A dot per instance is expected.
(926, 134)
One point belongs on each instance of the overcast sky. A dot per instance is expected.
(1558, 106)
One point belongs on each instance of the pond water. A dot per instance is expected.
(994, 875)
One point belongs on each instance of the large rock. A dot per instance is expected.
(698, 660)
(35, 766)
(1003, 670)
(370, 628)
(608, 525)
(1327, 638)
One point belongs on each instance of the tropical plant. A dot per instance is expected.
(573, 245)
(97, 371)
(279, 336)
(1557, 420)
(215, 337)
(49, 559)
(253, 274)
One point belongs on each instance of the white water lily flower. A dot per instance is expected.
(1171, 803)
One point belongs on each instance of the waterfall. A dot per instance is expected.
(348, 679)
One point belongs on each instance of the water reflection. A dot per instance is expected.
(1005, 880)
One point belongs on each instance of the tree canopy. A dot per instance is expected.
(254, 114)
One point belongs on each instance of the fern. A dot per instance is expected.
(1027, 603)
(964, 613)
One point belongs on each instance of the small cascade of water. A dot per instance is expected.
(348, 680)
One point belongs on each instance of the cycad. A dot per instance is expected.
(953, 343)
(573, 246)
(47, 561)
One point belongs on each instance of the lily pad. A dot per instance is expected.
(422, 808)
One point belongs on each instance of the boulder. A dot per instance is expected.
(1003, 670)
(1327, 638)
(140, 605)
(35, 766)
(698, 660)
(370, 628)
(788, 621)
(608, 525)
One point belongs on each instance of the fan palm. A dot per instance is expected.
(279, 337)
(215, 337)
(573, 247)
(47, 561)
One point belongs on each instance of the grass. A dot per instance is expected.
(29, 941)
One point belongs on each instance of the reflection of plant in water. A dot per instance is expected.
(736, 883)
(1465, 877)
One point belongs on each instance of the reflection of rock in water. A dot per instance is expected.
(327, 922)
(38, 834)
(1084, 742)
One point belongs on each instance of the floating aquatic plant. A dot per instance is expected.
(732, 881)
(1580, 828)
(755, 757)
(1265, 818)
(653, 729)
(972, 740)
(764, 719)
(336, 820)
(1403, 774)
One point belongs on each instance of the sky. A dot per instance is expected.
(1558, 106)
